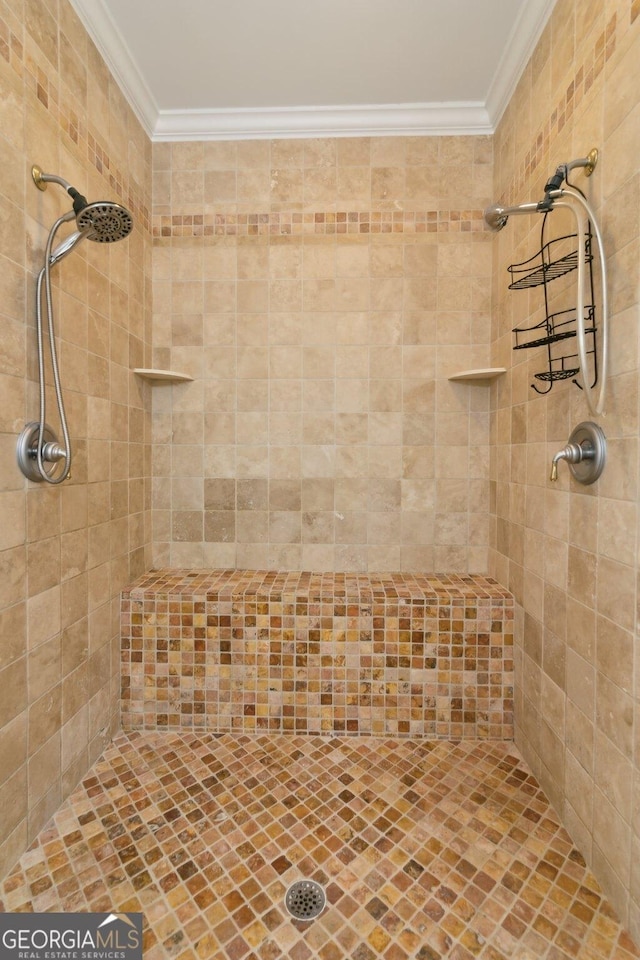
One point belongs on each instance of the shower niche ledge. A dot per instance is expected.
(482, 375)
(161, 376)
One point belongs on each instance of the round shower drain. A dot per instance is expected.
(305, 900)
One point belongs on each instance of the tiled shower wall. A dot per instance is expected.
(569, 552)
(65, 552)
(319, 292)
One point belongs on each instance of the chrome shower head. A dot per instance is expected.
(495, 217)
(104, 221)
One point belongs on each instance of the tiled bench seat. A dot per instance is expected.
(254, 650)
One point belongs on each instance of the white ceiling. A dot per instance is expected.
(214, 69)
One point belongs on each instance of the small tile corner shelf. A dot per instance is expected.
(482, 375)
(161, 376)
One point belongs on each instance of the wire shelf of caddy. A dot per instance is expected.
(555, 259)
(549, 262)
(553, 329)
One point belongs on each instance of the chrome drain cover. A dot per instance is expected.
(305, 900)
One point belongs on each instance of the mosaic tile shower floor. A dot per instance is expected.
(426, 850)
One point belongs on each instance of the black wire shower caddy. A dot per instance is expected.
(554, 259)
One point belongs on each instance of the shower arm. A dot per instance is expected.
(496, 216)
(41, 180)
(588, 163)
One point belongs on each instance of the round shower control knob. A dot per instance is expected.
(585, 453)
(27, 450)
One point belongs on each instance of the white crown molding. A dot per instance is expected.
(521, 43)
(404, 119)
(398, 119)
(110, 43)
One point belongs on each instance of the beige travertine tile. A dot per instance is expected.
(580, 730)
(614, 713)
(614, 775)
(579, 82)
(615, 592)
(581, 629)
(582, 576)
(414, 175)
(614, 656)
(611, 838)
(101, 320)
(321, 358)
(579, 791)
(44, 665)
(581, 683)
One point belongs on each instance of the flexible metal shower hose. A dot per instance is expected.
(45, 274)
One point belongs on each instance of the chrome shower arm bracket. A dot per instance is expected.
(562, 171)
(42, 179)
(588, 163)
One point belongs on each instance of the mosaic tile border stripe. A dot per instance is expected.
(39, 82)
(339, 654)
(13, 52)
(585, 76)
(293, 223)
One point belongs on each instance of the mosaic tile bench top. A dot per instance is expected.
(225, 584)
(378, 654)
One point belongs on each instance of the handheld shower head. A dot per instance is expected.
(65, 247)
(102, 222)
